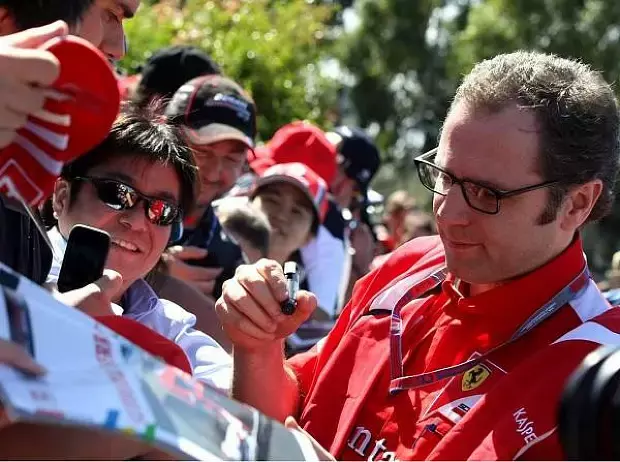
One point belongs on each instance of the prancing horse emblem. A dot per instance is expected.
(474, 377)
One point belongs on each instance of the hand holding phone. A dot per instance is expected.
(96, 298)
(85, 258)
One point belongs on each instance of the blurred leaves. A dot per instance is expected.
(272, 47)
(584, 29)
(397, 59)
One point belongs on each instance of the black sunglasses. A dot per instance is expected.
(120, 196)
(479, 197)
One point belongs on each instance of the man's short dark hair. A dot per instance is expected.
(170, 68)
(143, 133)
(30, 13)
(577, 114)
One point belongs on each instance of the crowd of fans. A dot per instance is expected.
(416, 335)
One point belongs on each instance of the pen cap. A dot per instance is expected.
(290, 267)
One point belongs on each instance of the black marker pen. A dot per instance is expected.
(292, 284)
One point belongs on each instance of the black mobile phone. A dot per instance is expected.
(85, 257)
(19, 320)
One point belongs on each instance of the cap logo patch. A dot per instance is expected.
(230, 102)
(180, 99)
(363, 175)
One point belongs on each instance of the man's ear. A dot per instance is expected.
(61, 197)
(579, 204)
(7, 23)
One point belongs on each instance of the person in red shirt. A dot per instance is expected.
(458, 347)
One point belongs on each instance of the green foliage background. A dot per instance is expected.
(273, 48)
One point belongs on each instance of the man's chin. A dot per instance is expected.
(474, 273)
(464, 269)
(205, 200)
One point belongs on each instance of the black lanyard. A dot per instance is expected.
(412, 382)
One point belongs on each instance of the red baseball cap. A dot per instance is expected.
(77, 115)
(306, 143)
(302, 177)
(261, 162)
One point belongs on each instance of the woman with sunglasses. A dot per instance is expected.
(136, 186)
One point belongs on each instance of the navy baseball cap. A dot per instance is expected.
(357, 154)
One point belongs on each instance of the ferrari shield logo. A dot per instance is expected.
(474, 377)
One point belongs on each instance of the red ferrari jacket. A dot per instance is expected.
(501, 409)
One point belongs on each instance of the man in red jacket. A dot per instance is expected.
(459, 346)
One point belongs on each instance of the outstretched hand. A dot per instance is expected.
(26, 74)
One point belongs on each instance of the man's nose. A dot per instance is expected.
(114, 44)
(135, 218)
(281, 214)
(213, 170)
(452, 209)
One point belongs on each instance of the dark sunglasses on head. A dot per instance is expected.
(120, 196)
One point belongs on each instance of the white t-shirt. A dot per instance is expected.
(324, 259)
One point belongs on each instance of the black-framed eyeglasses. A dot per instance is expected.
(120, 196)
(479, 197)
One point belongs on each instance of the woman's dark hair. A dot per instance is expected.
(144, 134)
